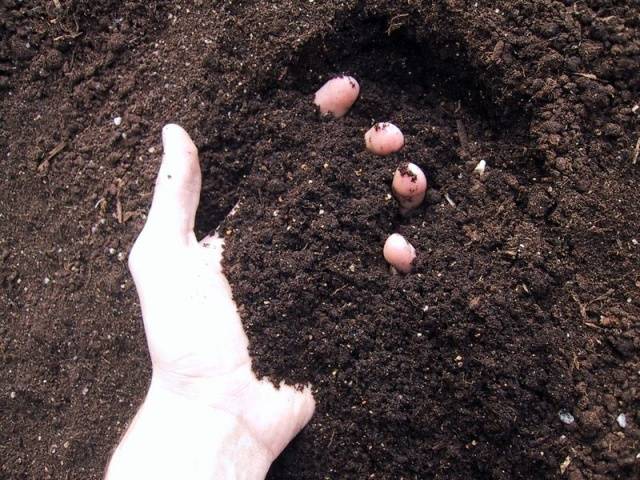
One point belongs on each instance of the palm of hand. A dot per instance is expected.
(197, 344)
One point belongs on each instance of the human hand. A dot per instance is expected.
(202, 384)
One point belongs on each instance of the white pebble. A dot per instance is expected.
(117, 121)
(566, 417)
(622, 420)
(480, 167)
(46, 280)
(12, 394)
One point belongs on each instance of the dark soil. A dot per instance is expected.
(525, 298)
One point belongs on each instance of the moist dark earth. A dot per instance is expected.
(525, 299)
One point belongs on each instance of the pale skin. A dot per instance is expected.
(409, 186)
(384, 138)
(206, 415)
(399, 253)
(337, 96)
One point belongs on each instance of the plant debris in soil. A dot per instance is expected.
(511, 351)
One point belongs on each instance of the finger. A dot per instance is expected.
(337, 96)
(177, 191)
(384, 138)
(399, 253)
(409, 186)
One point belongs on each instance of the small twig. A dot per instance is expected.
(590, 76)
(119, 184)
(118, 209)
(54, 151)
(496, 55)
(601, 297)
(462, 135)
(636, 152)
(57, 4)
(338, 289)
(393, 25)
(583, 307)
(593, 325)
(86, 283)
(448, 199)
(331, 439)
(68, 35)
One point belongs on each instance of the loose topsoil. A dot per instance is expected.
(523, 309)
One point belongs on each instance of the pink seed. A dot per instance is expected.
(384, 138)
(399, 253)
(337, 96)
(409, 186)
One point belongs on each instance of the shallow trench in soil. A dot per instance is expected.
(408, 364)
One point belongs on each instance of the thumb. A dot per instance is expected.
(177, 191)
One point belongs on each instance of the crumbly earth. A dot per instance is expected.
(525, 298)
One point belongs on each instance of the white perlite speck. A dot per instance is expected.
(117, 121)
(480, 167)
(566, 417)
(622, 420)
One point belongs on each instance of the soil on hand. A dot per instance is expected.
(511, 351)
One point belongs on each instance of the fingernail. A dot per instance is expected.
(176, 142)
(169, 132)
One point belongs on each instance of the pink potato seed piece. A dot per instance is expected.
(337, 96)
(384, 138)
(409, 186)
(399, 253)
